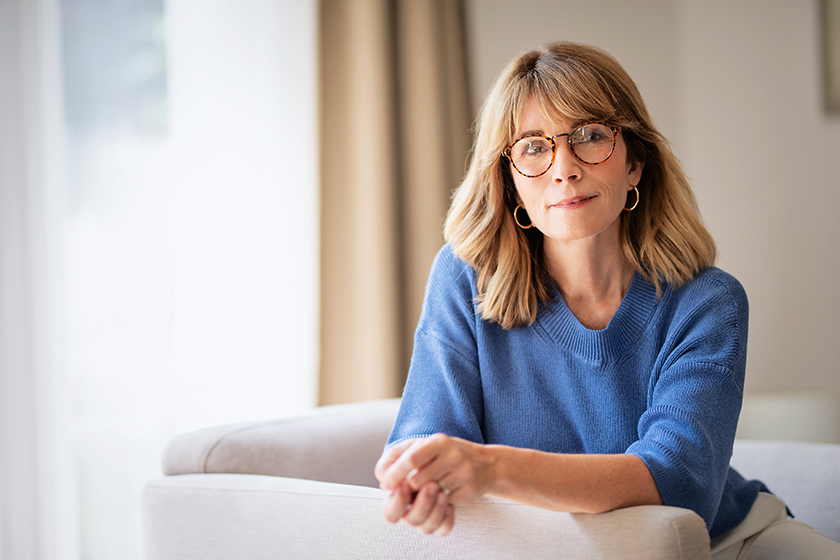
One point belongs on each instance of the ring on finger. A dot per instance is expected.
(444, 488)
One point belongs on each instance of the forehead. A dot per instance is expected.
(537, 117)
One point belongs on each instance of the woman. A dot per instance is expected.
(577, 351)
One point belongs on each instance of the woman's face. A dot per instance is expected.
(574, 200)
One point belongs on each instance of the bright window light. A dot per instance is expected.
(190, 236)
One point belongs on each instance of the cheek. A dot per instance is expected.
(528, 196)
(525, 191)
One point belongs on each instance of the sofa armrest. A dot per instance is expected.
(229, 516)
(339, 443)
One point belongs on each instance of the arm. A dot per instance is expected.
(573, 483)
(559, 482)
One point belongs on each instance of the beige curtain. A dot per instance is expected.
(395, 130)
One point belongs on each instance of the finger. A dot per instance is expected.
(436, 458)
(448, 521)
(423, 504)
(419, 454)
(436, 516)
(444, 466)
(396, 502)
(388, 457)
(430, 473)
(397, 467)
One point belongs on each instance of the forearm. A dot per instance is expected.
(574, 483)
(559, 482)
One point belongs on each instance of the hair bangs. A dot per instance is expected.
(574, 90)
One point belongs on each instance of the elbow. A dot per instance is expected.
(615, 502)
(647, 500)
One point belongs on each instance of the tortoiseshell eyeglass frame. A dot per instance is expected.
(568, 135)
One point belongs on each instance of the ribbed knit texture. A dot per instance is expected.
(664, 381)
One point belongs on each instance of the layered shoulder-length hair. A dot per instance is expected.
(663, 238)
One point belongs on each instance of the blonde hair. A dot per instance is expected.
(664, 238)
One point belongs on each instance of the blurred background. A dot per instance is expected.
(214, 211)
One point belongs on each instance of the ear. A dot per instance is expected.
(634, 171)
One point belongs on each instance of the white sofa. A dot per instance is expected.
(304, 488)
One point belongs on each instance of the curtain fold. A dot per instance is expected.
(395, 132)
(38, 519)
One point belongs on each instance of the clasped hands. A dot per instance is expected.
(424, 479)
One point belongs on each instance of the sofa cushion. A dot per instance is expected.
(805, 475)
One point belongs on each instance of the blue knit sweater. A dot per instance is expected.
(663, 381)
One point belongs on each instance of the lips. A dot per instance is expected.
(573, 202)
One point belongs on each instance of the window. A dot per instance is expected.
(190, 233)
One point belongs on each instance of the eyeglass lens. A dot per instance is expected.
(591, 143)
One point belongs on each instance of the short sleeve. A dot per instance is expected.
(687, 432)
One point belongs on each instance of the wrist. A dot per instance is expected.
(497, 457)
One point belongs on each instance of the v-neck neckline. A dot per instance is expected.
(607, 344)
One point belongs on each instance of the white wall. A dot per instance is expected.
(641, 34)
(737, 88)
(772, 203)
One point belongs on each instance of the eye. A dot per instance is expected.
(534, 148)
(531, 147)
(592, 134)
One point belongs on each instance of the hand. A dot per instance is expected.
(410, 473)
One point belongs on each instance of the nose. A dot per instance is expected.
(566, 166)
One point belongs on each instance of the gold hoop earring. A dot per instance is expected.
(516, 219)
(637, 200)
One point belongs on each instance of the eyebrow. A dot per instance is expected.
(575, 124)
(542, 133)
(538, 131)
(533, 133)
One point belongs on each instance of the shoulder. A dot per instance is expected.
(450, 291)
(716, 289)
(713, 276)
(450, 273)
(448, 265)
(708, 318)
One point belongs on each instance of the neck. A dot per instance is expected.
(592, 276)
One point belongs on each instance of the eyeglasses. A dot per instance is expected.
(591, 143)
